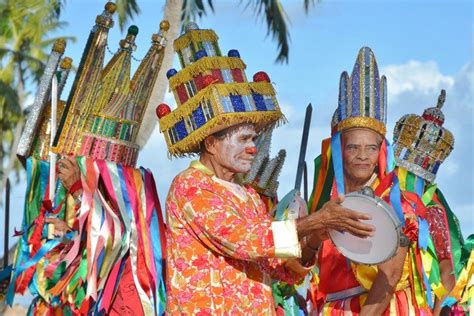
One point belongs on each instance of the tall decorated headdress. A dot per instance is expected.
(362, 96)
(105, 107)
(362, 103)
(212, 93)
(421, 143)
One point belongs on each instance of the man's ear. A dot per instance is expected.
(210, 145)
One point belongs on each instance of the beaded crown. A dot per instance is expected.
(105, 107)
(212, 93)
(362, 96)
(421, 142)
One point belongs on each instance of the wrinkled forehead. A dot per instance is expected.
(360, 135)
(240, 130)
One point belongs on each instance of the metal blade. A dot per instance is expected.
(304, 144)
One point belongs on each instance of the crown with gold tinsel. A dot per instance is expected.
(212, 93)
(421, 142)
(362, 96)
(105, 108)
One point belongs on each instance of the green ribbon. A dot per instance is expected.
(459, 253)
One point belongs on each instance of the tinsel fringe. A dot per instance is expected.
(223, 89)
(263, 121)
(205, 64)
(194, 36)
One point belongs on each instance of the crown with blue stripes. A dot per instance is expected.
(362, 96)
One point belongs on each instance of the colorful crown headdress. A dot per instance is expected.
(212, 93)
(421, 142)
(362, 96)
(105, 107)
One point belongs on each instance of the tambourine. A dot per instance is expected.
(383, 244)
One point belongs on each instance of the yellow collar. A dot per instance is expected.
(196, 164)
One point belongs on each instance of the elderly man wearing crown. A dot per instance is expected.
(223, 248)
(358, 156)
(421, 144)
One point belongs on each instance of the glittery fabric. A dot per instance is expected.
(361, 95)
(439, 231)
(378, 113)
(199, 117)
(111, 122)
(343, 97)
(182, 94)
(237, 75)
(355, 90)
(237, 103)
(181, 130)
(37, 110)
(259, 102)
(421, 143)
(366, 122)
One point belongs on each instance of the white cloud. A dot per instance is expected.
(415, 76)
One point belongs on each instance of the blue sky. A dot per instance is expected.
(421, 46)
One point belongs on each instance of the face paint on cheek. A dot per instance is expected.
(237, 152)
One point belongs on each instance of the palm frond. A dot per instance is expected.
(9, 99)
(276, 19)
(307, 4)
(126, 10)
(193, 9)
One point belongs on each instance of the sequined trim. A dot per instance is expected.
(366, 122)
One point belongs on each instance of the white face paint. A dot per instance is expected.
(236, 150)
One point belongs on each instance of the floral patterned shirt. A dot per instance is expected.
(223, 249)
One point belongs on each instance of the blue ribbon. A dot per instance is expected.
(390, 157)
(419, 186)
(45, 248)
(449, 301)
(156, 244)
(5, 273)
(337, 164)
(423, 233)
(395, 199)
(429, 295)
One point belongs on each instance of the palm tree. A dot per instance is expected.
(24, 46)
(178, 13)
(271, 10)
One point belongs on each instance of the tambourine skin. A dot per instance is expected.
(383, 244)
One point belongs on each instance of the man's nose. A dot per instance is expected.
(363, 154)
(251, 150)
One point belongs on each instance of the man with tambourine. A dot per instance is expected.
(381, 274)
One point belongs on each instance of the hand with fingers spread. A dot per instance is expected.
(334, 216)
